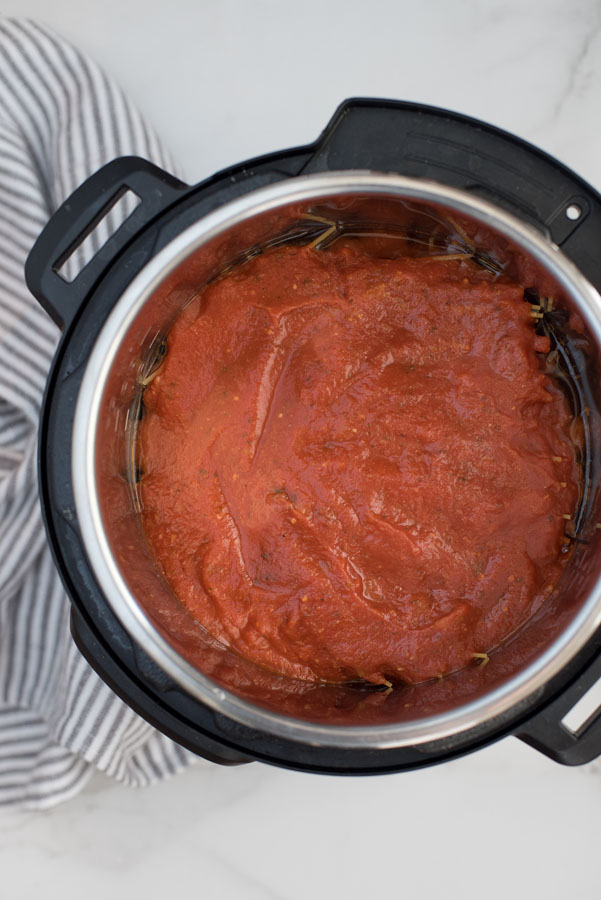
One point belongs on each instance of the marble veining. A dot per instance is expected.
(581, 70)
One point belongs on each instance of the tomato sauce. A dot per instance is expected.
(354, 468)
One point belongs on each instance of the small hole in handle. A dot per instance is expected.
(109, 221)
(588, 705)
(573, 212)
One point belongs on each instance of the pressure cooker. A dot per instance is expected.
(379, 166)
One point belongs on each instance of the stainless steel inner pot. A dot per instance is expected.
(427, 217)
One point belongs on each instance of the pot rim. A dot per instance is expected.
(291, 190)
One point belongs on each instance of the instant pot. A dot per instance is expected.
(423, 177)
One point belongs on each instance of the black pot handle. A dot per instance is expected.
(428, 142)
(547, 732)
(77, 218)
(145, 693)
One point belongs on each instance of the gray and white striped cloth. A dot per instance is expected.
(61, 119)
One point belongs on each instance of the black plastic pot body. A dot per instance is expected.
(375, 135)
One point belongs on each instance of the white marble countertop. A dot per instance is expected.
(222, 81)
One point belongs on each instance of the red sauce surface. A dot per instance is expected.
(355, 468)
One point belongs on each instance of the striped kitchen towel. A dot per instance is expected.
(61, 119)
